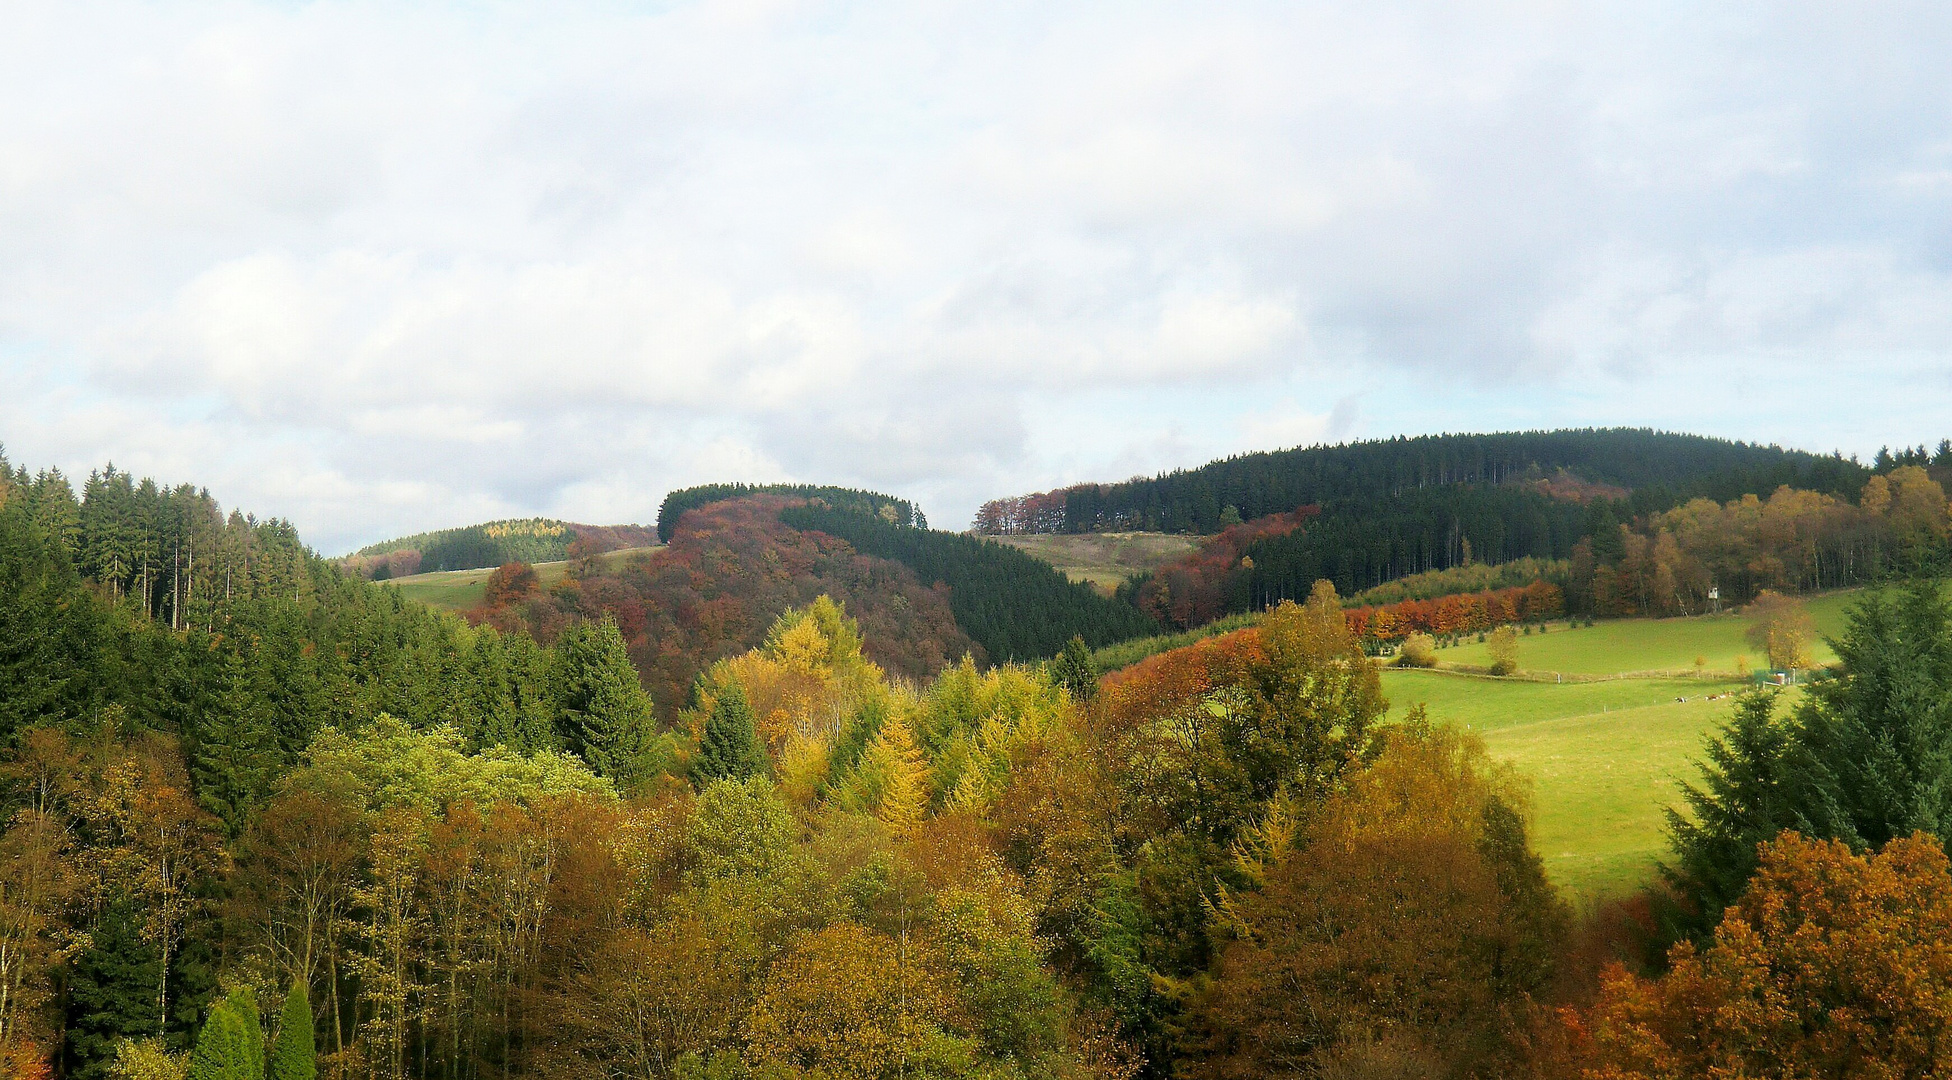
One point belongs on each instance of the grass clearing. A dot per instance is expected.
(1617, 646)
(1606, 754)
(459, 590)
(1605, 758)
(1103, 559)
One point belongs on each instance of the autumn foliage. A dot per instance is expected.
(1833, 964)
(1202, 586)
(1458, 614)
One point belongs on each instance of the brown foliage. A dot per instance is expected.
(1194, 590)
(1413, 913)
(511, 583)
(731, 568)
(1832, 964)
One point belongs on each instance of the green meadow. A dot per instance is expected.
(1606, 754)
(459, 590)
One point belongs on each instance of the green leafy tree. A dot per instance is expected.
(294, 1057)
(728, 748)
(606, 713)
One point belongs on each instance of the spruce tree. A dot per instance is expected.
(294, 1057)
(111, 992)
(606, 713)
(1073, 670)
(234, 752)
(1749, 792)
(1879, 737)
(729, 748)
(223, 1049)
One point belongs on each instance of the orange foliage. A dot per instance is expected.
(1195, 589)
(1458, 614)
(1833, 964)
(1170, 681)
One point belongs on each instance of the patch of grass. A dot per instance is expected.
(1605, 758)
(459, 590)
(1103, 559)
(1617, 646)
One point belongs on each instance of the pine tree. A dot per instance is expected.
(607, 714)
(224, 1046)
(1073, 670)
(1748, 794)
(728, 749)
(294, 1057)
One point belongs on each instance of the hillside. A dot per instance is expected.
(490, 544)
(461, 590)
(1657, 470)
(1104, 559)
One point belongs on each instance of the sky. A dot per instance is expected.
(381, 267)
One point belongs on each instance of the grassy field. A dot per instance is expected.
(458, 590)
(1103, 559)
(1606, 757)
(1653, 645)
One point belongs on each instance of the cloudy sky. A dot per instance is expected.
(380, 267)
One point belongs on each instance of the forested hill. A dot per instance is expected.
(886, 507)
(491, 543)
(923, 598)
(1659, 469)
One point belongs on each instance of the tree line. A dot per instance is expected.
(1017, 607)
(873, 504)
(1661, 470)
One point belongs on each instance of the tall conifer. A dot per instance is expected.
(729, 748)
(294, 1057)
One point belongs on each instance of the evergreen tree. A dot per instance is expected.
(234, 754)
(728, 749)
(606, 713)
(1073, 671)
(294, 1057)
(243, 1003)
(1748, 794)
(111, 993)
(223, 1048)
(1879, 737)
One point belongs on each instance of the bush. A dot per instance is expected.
(1418, 650)
(1504, 651)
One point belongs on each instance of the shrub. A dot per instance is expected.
(1504, 651)
(1417, 650)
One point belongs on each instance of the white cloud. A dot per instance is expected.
(379, 268)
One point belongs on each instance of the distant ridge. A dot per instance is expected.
(1660, 469)
(491, 543)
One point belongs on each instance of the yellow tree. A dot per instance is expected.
(855, 1004)
(894, 776)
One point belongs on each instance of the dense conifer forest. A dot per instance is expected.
(1653, 470)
